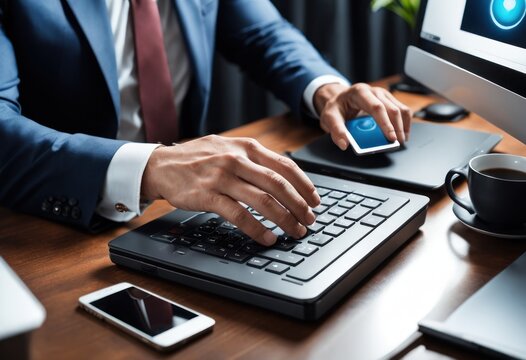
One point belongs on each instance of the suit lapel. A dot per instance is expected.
(197, 43)
(93, 20)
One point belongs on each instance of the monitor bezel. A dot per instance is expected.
(510, 79)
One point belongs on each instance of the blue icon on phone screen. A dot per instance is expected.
(366, 132)
(507, 14)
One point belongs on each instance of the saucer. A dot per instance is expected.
(475, 223)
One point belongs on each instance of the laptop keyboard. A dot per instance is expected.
(343, 219)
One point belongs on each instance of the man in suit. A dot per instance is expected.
(89, 88)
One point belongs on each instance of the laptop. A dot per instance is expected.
(422, 163)
(492, 321)
(358, 226)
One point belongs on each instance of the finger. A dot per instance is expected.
(334, 121)
(267, 206)
(365, 100)
(276, 185)
(394, 112)
(407, 113)
(235, 213)
(288, 169)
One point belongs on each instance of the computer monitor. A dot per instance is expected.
(473, 52)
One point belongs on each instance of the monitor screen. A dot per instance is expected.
(473, 52)
(492, 30)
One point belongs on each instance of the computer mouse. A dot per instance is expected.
(442, 112)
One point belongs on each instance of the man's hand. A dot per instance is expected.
(215, 173)
(336, 103)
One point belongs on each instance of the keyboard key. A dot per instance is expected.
(333, 230)
(305, 249)
(287, 258)
(319, 239)
(252, 247)
(325, 219)
(355, 198)
(322, 191)
(216, 251)
(373, 195)
(391, 206)
(228, 225)
(344, 223)
(326, 255)
(208, 229)
(327, 201)
(258, 262)
(315, 227)
(284, 245)
(183, 240)
(196, 235)
(357, 213)
(200, 246)
(237, 256)
(258, 217)
(370, 203)
(337, 211)
(214, 240)
(320, 209)
(337, 195)
(216, 221)
(277, 268)
(346, 204)
(373, 220)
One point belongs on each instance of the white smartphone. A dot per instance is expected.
(366, 137)
(153, 319)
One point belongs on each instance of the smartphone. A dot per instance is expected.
(366, 137)
(153, 319)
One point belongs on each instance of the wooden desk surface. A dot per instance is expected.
(438, 268)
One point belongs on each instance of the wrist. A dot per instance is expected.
(326, 93)
(149, 190)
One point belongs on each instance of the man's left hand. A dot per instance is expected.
(336, 103)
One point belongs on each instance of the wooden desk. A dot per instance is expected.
(438, 269)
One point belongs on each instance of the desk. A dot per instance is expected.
(435, 272)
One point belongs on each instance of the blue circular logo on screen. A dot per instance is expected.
(507, 14)
(367, 124)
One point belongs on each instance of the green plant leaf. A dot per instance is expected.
(379, 4)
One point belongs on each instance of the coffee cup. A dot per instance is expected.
(497, 188)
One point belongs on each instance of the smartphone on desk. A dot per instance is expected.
(366, 137)
(153, 319)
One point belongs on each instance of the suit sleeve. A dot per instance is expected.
(45, 172)
(276, 55)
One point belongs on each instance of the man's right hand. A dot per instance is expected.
(215, 174)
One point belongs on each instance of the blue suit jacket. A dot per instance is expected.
(59, 97)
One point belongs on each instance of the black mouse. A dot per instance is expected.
(442, 112)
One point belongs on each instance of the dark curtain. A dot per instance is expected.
(362, 45)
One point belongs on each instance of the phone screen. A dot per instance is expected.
(143, 311)
(366, 132)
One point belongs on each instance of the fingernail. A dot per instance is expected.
(406, 136)
(302, 232)
(342, 144)
(402, 137)
(269, 238)
(310, 217)
(316, 196)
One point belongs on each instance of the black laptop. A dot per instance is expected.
(358, 226)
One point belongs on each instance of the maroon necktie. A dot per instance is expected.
(155, 83)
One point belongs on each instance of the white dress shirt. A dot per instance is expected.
(121, 192)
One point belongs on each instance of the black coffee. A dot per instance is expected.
(507, 174)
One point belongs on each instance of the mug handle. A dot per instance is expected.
(451, 175)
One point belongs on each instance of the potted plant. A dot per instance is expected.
(408, 11)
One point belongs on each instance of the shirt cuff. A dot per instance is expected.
(121, 194)
(314, 85)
